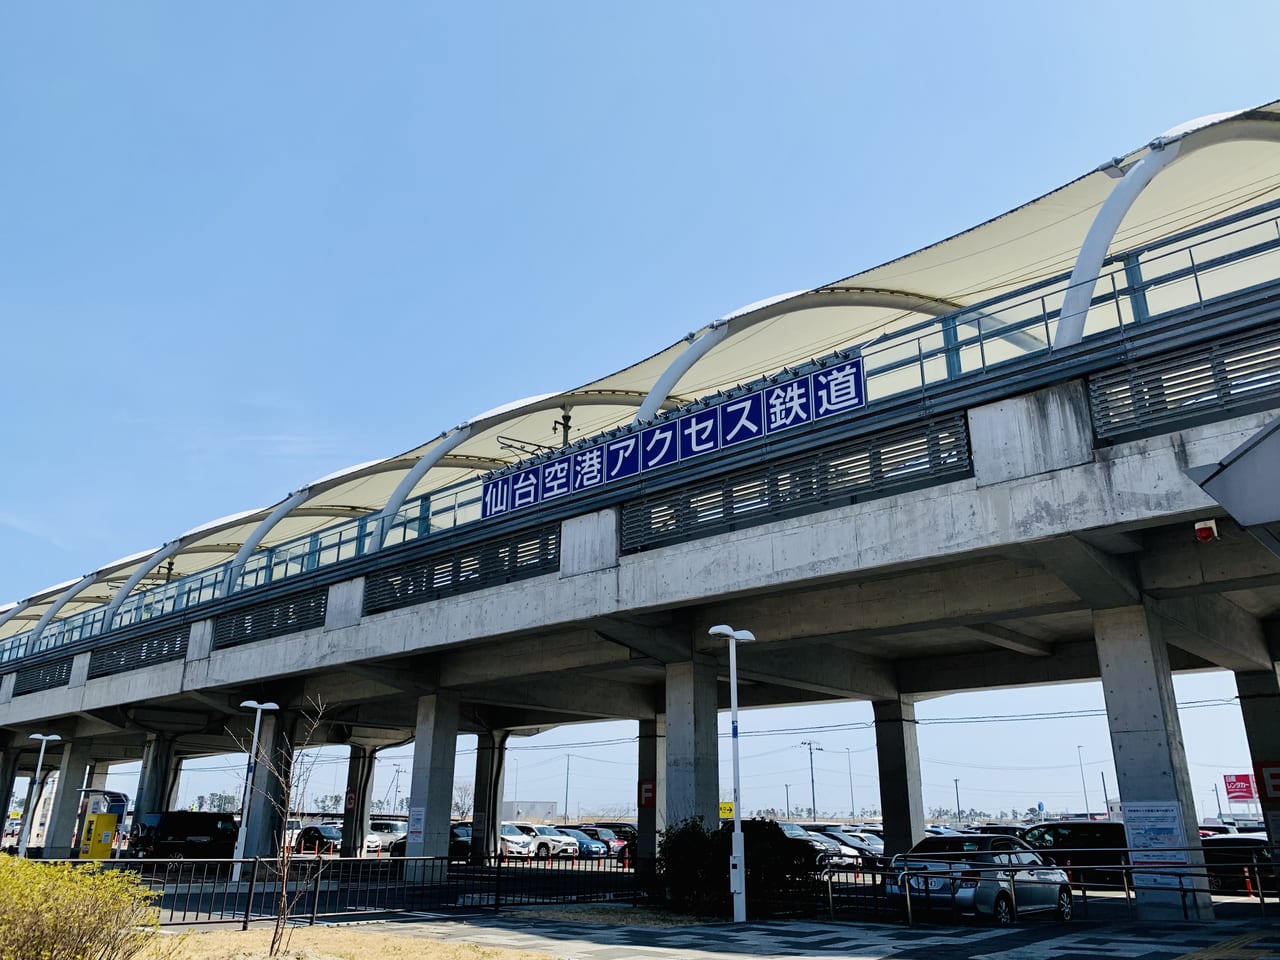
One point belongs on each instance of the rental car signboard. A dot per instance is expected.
(1240, 786)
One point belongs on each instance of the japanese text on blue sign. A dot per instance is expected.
(774, 409)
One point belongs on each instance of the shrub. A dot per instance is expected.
(61, 911)
(693, 869)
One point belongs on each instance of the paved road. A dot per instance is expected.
(1245, 939)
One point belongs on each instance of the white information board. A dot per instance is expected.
(417, 820)
(1157, 838)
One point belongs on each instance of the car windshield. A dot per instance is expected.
(577, 835)
(330, 833)
(794, 830)
(512, 831)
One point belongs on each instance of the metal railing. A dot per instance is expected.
(313, 887)
(1214, 267)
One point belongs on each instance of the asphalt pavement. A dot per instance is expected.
(1237, 939)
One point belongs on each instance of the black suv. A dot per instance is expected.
(1083, 843)
(189, 835)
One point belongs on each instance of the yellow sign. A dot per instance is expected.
(726, 809)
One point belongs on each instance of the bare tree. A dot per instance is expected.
(288, 772)
(464, 795)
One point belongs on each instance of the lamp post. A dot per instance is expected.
(959, 815)
(813, 790)
(737, 857)
(787, 786)
(848, 759)
(246, 802)
(1084, 789)
(33, 795)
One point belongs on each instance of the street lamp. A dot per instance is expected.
(848, 759)
(33, 795)
(959, 815)
(245, 803)
(813, 792)
(737, 856)
(1084, 789)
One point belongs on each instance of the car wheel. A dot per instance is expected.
(1064, 903)
(1002, 911)
(1215, 882)
(543, 852)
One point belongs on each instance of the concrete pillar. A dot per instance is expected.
(898, 755)
(651, 793)
(156, 778)
(435, 748)
(8, 774)
(60, 835)
(97, 776)
(486, 815)
(1260, 707)
(693, 760)
(356, 800)
(1146, 742)
(273, 771)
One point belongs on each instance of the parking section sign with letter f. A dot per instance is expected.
(647, 794)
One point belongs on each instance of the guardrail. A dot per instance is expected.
(312, 887)
(1104, 883)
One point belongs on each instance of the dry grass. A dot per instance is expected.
(359, 942)
(336, 943)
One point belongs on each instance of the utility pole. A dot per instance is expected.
(788, 788)
(848, 757)
(813, 790)
(1083, 788)
(1217, 799)
(566, 788)
(959, 815)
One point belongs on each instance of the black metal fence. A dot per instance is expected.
(213, 891)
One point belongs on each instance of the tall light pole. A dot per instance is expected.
(959, 815)
(813, 790)
(33, 795)
(1083, 788)
(246, 802)
(737, 856)
(788, 789)
(848, 758)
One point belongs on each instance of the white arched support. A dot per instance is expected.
(378, 533)
(281, 511)
(725, 327)
(1164, 151)
(153, 561)
(63, 599)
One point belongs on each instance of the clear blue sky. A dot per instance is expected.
(244, 245)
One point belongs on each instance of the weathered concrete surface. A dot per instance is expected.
(1022, 436)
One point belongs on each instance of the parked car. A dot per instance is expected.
(548, 841)
(514, 842)
(321, 839)
(805, 850)
(1241, 862)
(617, 846)
(627, 831)
(388, 831)
(459, 843)
(844, 854)
(1004, 829)
(187, 834)
(976, 874)
(589, 848)
(1073, 844)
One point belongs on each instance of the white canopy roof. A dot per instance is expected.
(1036, 241)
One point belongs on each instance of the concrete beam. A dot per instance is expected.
(573, 695)
(1174, 563)
(670, 644)
(1099, 579)
(1213, 628)
(513, 659)
(979, 592)
(999, 636)
(828, 670)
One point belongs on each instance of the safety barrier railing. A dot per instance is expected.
(1207, 267)
(310, 886)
